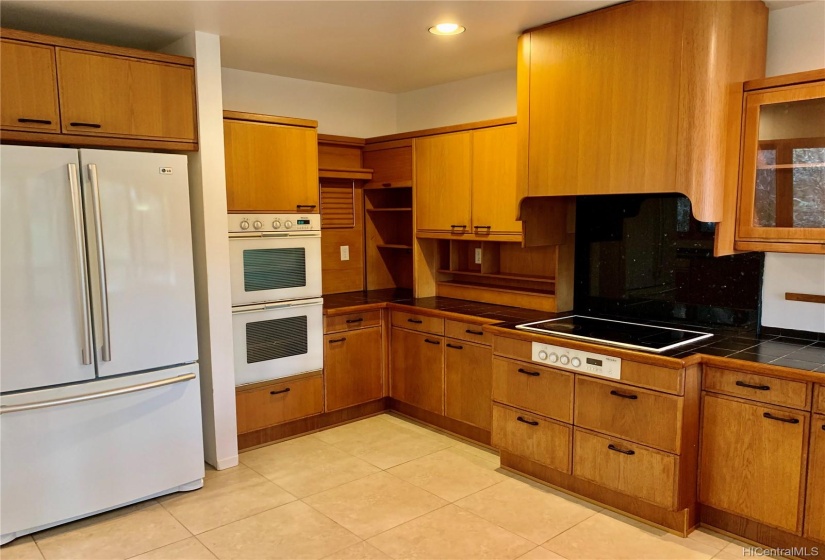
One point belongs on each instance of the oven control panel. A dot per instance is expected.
(577, 360)
(250, 223)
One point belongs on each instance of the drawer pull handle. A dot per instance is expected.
(530, 373)
(34, 121)
(428, 341)
(386, 184)
(823, 427)
(624, 396)
(342, 339)
(530, 422)
(477, 333)
(358, 320)
(757, 387)
(457, 347)
(416, 321)
(85, 124)
(770, 416)
(279, 392)
(612, 447)
(310, 206)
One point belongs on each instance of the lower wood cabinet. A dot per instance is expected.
(753, 460)
(532, 436)
(417, 369)
(468, 379)
(281, 400)
(353, 372)
(815, 514)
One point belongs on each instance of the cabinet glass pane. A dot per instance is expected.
(790, 173)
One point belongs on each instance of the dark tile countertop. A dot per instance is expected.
(803, 351)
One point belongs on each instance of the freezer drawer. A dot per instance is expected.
(64, 461)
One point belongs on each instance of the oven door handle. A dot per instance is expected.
(287, 235)
(290, 305)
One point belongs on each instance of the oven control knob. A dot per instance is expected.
(575, 362)
(553, 358)
(565, 359)
(257, 224)
(287, 224)
(276, 224)
(542, 355)
(244, 224)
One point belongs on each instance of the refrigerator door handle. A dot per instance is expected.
(80, 248)
(106, 350)
(99, 395)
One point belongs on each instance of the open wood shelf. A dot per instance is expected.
(389, 209)
(501, 275)
(387, 186)
(393, 246)
(492, 288)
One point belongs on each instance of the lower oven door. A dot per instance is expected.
(277, 340)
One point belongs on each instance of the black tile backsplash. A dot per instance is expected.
(645, 256)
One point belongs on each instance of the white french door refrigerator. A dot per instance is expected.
(99, 385)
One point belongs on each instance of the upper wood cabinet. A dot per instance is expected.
(782, 194)
(494, 180)
(28, 87)
(271, 163)
(639, 98)
(108, 96)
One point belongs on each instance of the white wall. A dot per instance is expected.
(480, 98)
(213, 297)
(796, 42)
(340, 110)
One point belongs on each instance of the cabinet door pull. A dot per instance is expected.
(757, 387)
(34, 121)
(823, 427)
(454, 226)
(530, 422)
(527, 372)
(416, 321)
(624, 396)
(342, 339)
(84, 124)
(477, 333)
(455, 346)
(428, 341)
(488, 228)
(770, 416)
(386, 184)
(279, 392)
(310, 206)
(358, 320)
(612, 447)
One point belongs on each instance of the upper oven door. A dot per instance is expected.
(274, 267)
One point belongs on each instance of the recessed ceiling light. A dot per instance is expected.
(447, 29)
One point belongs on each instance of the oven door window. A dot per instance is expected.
(274, 269)
(276, 338)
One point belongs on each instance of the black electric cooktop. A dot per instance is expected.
(624, 334)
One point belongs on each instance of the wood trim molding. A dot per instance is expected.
(344, 173)
(269, 119)
(340, 140)
(81, 141)
(29, 37)
(809, 298)
(812, 248)
(441, 130)
(786, 80)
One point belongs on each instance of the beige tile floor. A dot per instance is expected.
(382, 487)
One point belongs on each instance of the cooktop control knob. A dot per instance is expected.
(575, 362)
(244, 224)
(257, 224)
(553, 358)
(542, 355)
(287, 224)
(565, 359)
(276, 224)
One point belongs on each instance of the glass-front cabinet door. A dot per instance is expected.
(782, 197)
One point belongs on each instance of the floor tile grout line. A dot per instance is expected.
(360, 538)
(167, 544)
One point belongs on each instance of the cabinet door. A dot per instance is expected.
(468, 382)
(442, 182)
(115, 96)
(352, 368)
(494, 180)
(815, 516)
(417, 374)
(270, 167)
(753, 461)
(28, 87)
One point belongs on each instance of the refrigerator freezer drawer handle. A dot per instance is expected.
(106, 350)
(80, 249)
(98, 395)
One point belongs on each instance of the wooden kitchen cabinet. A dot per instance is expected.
(271, 164)
(494, 181)
(353, 372)
(28, 87)
(468, 382)
(442, 182)
(815, 513)
(753, 460)
(417, 369)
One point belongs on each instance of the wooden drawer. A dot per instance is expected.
(422, 323)
(468, 332)
(638, 415)
(542, 390)
(626, 467)
(532, 437)
(819, 399)
(761, 388)
(659, 378)
(274, 403)
(350, 321)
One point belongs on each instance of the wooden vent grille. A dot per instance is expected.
(337, 205)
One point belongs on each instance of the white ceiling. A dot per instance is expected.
(378, 45)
